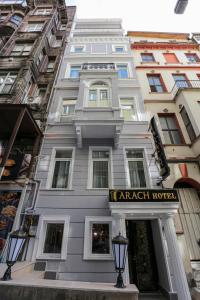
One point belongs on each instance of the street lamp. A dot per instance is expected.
(180, 6)
(15, 243)
(120, 245)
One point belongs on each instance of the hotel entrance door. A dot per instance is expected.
(141, 257)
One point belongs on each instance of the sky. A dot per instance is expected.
(142, 15)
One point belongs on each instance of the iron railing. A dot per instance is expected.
(185, 84)
(98, 66)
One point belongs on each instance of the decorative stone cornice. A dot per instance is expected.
(163, 46)
(98, 39)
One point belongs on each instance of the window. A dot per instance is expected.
(181, 80)
(136, 168)
(128, 109)
(7, 80)
(77, 49)
(50, 66)
(43, 11)
(53, 237)
(16, 19)
(122, 71)
(119, 49)
(170, 129)
(21, 49)
(74, 71)
(97, 238)
(100, 169)
(99, 95)
(192, 58)
(156, 83)
(31, 27)
(170, 58)
(61, 171)
(188, 124)
(147, 57)
(68, 107)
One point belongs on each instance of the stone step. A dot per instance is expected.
(151, 296)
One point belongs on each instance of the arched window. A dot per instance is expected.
(99, 95)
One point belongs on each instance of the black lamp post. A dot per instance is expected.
(15, 243)
(120, 245)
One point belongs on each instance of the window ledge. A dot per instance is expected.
(100, 189)
(159, 93)
(177, 145)
(99, 257)
(56, 189)
(149, 62)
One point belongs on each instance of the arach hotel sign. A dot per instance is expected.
(143, 195)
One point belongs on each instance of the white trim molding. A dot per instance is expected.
(87, 254)
(42, 226)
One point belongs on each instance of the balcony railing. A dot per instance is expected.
(98, 66)
(185, 84)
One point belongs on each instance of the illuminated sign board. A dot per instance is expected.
(143, 195)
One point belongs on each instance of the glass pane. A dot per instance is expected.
(171, 122)
(53, 239)
(68, 109)
(7, 88)
(119, 49)
(63, 153)
(61, 174)
(176, 137)
(137, 175)
(163, 122)
(167, 137)
(123, 73)
(191, 132)
(100, 174)
(128, 112)
(134, 153)
(100, 239)
(103, 94)
(100, 154)
(93, 95)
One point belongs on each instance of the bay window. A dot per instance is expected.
(99, 95)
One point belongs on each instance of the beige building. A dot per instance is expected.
(168, 69)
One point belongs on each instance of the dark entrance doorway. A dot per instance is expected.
(141, 257)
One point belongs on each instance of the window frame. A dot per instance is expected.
(68, 99)
(87, 252)
(127, 69)
(90, 167)
(148, 61)
(133, 99)
(194, 55)
(8, 73)
(44, 9)
(99, 89)
(145, 165)
(185, 80)
(161, 81)
(52, 168)
(41, 234)
(72, 49)
(124, 47)
(70, 69)
(24, 45)
(182, 140)
(171, 53)
(35, 28)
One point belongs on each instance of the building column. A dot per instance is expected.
(176, 260)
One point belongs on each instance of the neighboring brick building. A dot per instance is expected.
(32, 38)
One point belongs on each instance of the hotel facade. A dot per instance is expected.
(98, 173)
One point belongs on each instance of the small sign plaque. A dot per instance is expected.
(143, 195)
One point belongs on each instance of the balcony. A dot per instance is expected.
(98, 67)
(185, 85)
